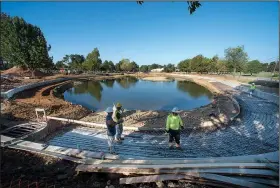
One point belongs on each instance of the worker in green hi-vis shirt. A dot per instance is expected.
(252, 89)
(174, 125)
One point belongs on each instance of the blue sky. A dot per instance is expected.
(156, 32)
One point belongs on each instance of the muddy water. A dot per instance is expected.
(139, 94)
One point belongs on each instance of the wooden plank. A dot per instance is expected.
(262, 158)
(271, 156)
(153, 178)
(233, 181)
(152, 171)
(175, 166)
(229, 171)
(265, 181)
(56, 155)
(170, 161)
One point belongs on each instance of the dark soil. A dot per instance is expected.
(20, 169)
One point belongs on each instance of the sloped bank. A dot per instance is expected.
(211, 116)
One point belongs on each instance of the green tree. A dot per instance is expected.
(253, 67)
(60, 64)
(76, 61)
(237, 58)
(108, 66)
(23, 44)
(273, 66)
(118, 66)
(126, 65)
(135, 67)
(144, 68)
(265, 67)
(93, 62)
(221, 67)
(197, 64)
(185, 65)
(169, 68)
(213, 63)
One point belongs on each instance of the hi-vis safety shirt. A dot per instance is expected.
(173, 122)
(117, 116)
(253, 87)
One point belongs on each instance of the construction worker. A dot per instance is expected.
(252, 89)
(111, 129)
(174, 125)
(117, 117)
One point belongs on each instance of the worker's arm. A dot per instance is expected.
(110, 122)
(167, 123)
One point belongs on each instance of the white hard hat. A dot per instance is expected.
(109, 110)
(175, 110)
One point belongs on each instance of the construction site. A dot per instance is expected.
(139, 94)
(64, 144)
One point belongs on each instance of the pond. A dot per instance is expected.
(137, 94)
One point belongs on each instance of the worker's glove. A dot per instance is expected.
(166, 131)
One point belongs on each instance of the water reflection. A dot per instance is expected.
(135, 94)
(193, 89)
(108, 83)
(127, 82)
(94, 88)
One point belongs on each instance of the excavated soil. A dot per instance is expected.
(157, 119)
(25, 169)
(24, 104)
(20, 72)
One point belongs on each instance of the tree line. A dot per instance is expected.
(235, 60)
(24, 45)
(93, 62)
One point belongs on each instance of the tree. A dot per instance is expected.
(144, 68)
(273, 67)
(197, 63)
(135, 67)
(93, 62)
(221, 67)
(253, 67)
(76, 61)
(212, 65)
(23, 44)
(169, 68)
(236, 57)
(185, 65)
(118, 66)
(60, 64)
(108, 66)
(126, 65)
(192, 5)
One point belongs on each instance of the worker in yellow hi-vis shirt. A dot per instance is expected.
(174, 125)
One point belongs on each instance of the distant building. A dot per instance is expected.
(157, 70)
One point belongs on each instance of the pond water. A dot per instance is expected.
(137, 94)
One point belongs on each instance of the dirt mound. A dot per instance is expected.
(20, 72)
(9, 83)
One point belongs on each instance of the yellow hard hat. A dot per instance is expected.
(118, 105)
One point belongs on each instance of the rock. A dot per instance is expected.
(160, 184)
(171, 184)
